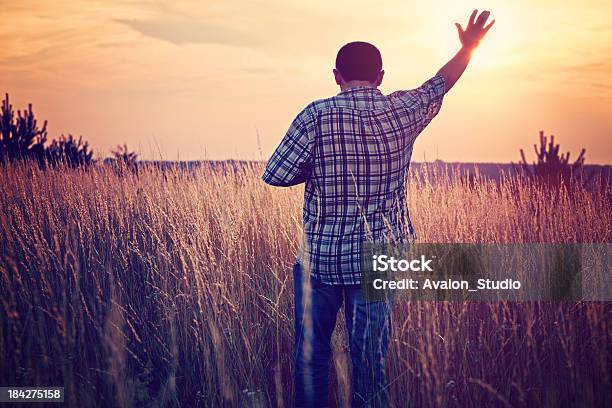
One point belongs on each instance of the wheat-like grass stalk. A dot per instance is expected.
(174, 288)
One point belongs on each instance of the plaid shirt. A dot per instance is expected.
(353, 152)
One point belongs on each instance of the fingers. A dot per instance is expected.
(459, 29)
(482, 18)
(488, 26)
(472, 17)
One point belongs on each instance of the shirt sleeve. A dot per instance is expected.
(291, 162)
(427, 98)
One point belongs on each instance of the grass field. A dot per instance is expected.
(174, 288)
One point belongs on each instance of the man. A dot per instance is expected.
(353, 151)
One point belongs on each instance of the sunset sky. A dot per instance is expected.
(202, 79)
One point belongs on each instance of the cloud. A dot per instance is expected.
(589, 67)
(602, 86)
(191, 31)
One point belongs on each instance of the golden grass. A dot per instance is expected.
(174, 288)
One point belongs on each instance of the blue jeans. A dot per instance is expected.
(369, 329)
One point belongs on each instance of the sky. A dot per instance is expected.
(215, 80)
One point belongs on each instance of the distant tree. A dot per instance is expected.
(69, 151)
(21, 138)
(125, 159)
(551, 168)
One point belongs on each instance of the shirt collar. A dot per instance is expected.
(360, 88)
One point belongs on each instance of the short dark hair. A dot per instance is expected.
(359, 61)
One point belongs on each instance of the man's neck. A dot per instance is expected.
(353, 84)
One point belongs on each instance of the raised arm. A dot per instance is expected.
(474, 32)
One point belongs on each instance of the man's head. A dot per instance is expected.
(358, 63)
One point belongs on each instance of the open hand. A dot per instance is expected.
(475, 30)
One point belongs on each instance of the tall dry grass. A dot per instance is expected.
(174, 288)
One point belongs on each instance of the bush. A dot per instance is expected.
(124, 159)
(69, 151)
(551, 169)
(21, 138)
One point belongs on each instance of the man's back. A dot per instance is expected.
(353, 151)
